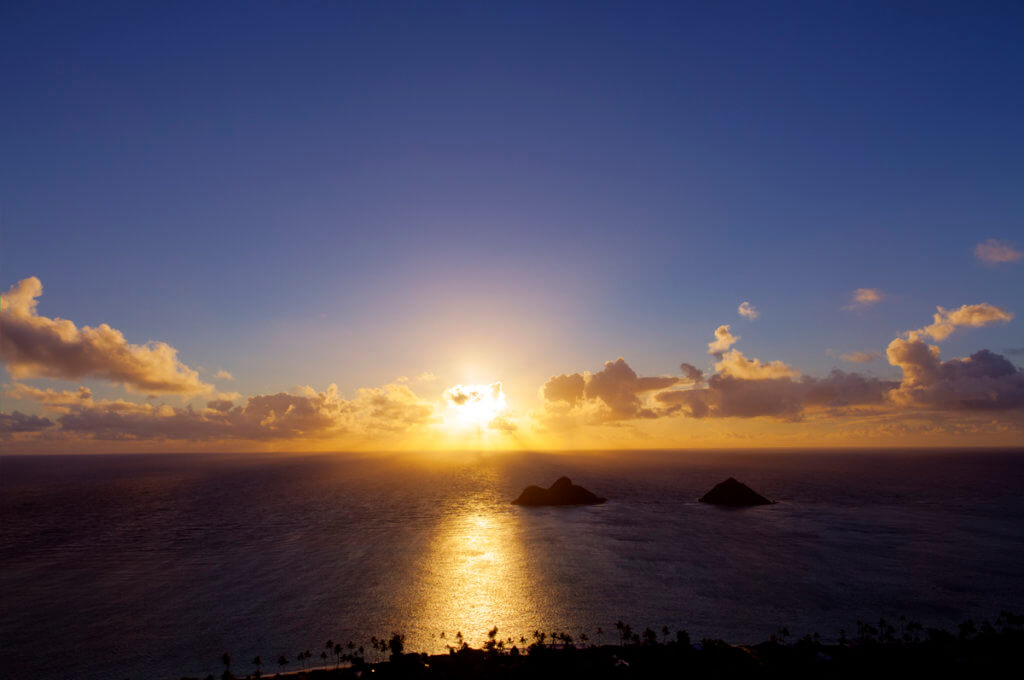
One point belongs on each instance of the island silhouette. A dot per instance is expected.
(562, 492)
(734, 494)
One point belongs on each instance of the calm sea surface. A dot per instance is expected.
(153, 566)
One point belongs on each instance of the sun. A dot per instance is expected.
(474, 406)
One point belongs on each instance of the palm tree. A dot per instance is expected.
(282, 661)
(397, 645)
(650, 637)
(226, 660)
(257, 662)
(337, 653)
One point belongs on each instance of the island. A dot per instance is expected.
(562, 492)
(735, 494)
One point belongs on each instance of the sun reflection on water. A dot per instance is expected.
(476, 575)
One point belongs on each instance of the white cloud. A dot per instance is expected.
(748, 310)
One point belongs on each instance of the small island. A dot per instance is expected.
(562, 492)
(735, 494)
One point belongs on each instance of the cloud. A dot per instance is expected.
(18, 422)
(392, 408)
(567, 388)
(997, 252)
(862, 298)
(37, 346)
(983, 381)
(746, 309)
(691, 374)
(224, 375)
(858, 357)
(265, 417)
(618, 386)
(613, 393)
(733, 364)
(426, 376)
(970, 316)
(744, 387)
(728, 396)
(723, 341)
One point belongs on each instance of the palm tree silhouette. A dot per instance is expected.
(226, 660)
(257, 662)
(282, 661)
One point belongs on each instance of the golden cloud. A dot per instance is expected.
(862, 298)
(308, 415)
(747, 310)
(37, 346)
(723, 340)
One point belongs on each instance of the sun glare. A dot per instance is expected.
(474, 406)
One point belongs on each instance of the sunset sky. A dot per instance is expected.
(552, 226)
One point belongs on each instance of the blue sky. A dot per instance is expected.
(306, 193)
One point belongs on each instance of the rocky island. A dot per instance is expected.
(562, 492)
(734, 494)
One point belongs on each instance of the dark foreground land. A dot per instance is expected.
(899, 650)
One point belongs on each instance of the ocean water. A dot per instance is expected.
(152, 566)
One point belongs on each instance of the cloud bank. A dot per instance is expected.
(742, 387)
(263, 417)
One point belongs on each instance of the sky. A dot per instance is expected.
(435, 225)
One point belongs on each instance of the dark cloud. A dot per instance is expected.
(727, 396)
(984, 381)
(616, 387)
(691, 373)
(16, 422)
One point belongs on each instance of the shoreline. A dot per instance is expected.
(902, 648)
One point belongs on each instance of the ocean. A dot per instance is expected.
(152, 566)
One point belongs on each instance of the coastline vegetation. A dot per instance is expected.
(902, 648)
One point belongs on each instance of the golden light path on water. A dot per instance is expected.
(476, 574)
